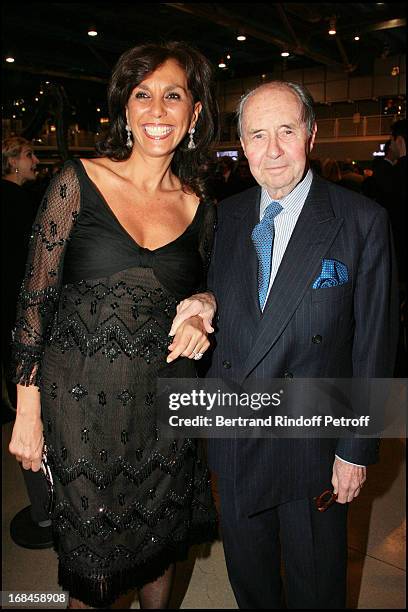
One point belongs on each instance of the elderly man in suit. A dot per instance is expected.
(303, 277)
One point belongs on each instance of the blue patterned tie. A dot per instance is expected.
(262, 237)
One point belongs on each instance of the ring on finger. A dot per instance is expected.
(197, 356)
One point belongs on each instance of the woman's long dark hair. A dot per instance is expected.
(132, 68)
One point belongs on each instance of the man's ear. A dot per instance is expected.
(312, 137)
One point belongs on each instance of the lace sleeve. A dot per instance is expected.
(207, 238)
(41, 284)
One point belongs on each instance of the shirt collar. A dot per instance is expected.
(292, 203)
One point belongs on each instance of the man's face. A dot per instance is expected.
(275, 139)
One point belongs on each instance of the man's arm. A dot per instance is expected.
(374, 346)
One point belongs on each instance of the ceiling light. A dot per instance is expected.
(41, 92)
(285, 54)
(228, 56)
(241, 37)
(263, 76)
(356, 37)
(222, 64)
(10, 59)
(332, 26)
(92, 32)
(98, 110)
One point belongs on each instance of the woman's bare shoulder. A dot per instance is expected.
(100, 166)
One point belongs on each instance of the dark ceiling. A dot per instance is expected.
(49, 40)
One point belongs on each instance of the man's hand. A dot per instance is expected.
(190, 339)
(201, 304)
(347, 480)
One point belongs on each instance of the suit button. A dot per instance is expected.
(226, 364)
(317, 339)
(288, 375)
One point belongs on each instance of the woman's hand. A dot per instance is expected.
(27, 442)
(201, 304)
(27, 439)
(190, 339)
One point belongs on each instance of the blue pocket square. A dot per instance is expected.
(333, 273)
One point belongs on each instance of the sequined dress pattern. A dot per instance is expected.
(92, 329)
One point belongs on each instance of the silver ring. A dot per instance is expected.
(198, 356)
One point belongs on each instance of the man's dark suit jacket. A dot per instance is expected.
(357, 323)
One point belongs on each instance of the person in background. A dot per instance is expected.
(229, 180)
(246, 178)
(398, 211)
(351, 177)
(331, 170)
(379, 185)
(19, 164)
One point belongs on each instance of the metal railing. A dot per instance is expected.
(358, 125)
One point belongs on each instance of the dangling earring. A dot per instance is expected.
(16, 170)
(129, 142)
(191, 144)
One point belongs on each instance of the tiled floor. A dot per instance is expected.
(376, 544)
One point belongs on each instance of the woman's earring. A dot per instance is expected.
(129, 142)
(16, 170)
(191, 144)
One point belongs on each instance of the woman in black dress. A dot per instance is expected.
(118, 242)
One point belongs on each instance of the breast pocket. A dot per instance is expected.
(332, 294)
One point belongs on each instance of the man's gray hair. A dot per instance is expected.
(303, 95)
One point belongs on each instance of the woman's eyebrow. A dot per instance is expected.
(172, 86)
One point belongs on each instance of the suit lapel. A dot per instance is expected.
(314, 232)
(244, 262)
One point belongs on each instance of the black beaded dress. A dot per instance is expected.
(94, 315)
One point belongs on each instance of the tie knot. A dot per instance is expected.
(273, 209)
